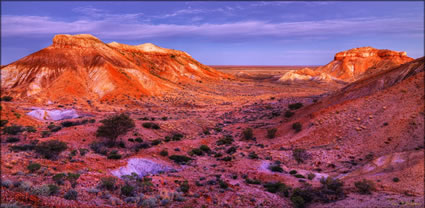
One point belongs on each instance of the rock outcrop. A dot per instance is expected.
(351, 65)
(82, 66)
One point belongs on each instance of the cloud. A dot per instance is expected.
(116, 28)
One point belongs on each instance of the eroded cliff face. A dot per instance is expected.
(357, 63)
(82, 66)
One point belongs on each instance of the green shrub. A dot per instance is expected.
(53, 189)
(331, 189)
(127, 190)
(275, 167)
(289, 114)
(138, 139)
(300, 155)
(297, 126)
(83, 151)
(206, 132)
(295, 106)
(32, 167)
(365, 186)
(299, 176)
(108, 183)
(205, 148)
(222, 184)
(151, 125)
(231, 150)
(293, 172)
(51, 149)
(180, 159)
(54, 128)
(13, 130)
(227, 159)
(3, 122)
(45, 134)
(59, 178)
(196, 151)
(247, 134)
(177, 137)
(298, 202)
(253, 155)
(99, 148)
(24, 147)
(6, 98)
(252, 181)
(115, 126)
(184, 187)
(277, 187)
(30, 129)
(114, 155)
(156, 142)
(12, 139)
(311, 176)
(271, 133)
(72, 178)
(71, 195)
(163, 153)
(225, 140)
(395, 179)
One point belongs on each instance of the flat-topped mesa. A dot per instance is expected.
(81, 40)
(365, 52)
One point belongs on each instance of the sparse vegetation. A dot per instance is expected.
(184, 187)
(3, 122)
(151, 125)
(275, 168)
(252, 181)
(45, 134)
(289, 114)
(247, 134)
(13, 129)
(32, 167)
(196, 151)
(99, 148)
(59, 178)
(395, 179)
(6, 98)
(72, 178)
(54, 128)
(180, 159)
(71, 195)
(297, 126)
(300, 155)
(205, 148)
(252, 155)
(127, 190)
(277, 187)
(108, 183)
(271, 133)
(365, 186)
(12, 140)
(226, 140)
(295, 106)
(115, 126)
(114, 155)
(51, 149)
(163, 153)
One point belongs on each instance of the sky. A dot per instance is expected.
(221, 33)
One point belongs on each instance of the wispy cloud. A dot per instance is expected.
(116, 28)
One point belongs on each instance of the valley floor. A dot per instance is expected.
(237, 170)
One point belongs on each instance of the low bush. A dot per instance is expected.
(32, 167)
(72, 178)
(6, 98)
(300, 155)
(51, 149)
(231, 150)
(225, 140)
(114, 155)
(127, 190)
(222, 184)
(311, 176)
(83, 151)
(252, 155)
(295, 106)
(163, 153)
(151, 125)
(247, 134)
(71, 195)
(205, 148)
(13, 130)
(59, 178)
(277, 187)
(271, 133)
(252, 181)
(395, 179)
(289, 114)
(331, 190)
(99, 148)
(30, 129)
(45, 134)
(365, 186)
(108, 183)
(24, 147)
(196, 151)
(227, 159)
(184, 187)
(12, 139)
(138, 139)
(180, 159)
(293, 172)
(3, 122)
(177, 137)
(297, 126)
(54, 128)
(275, 168)
(299, 176)
(156, 142)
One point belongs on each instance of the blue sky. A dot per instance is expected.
(222, 33)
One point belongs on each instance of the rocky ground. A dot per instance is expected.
(241, 143)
